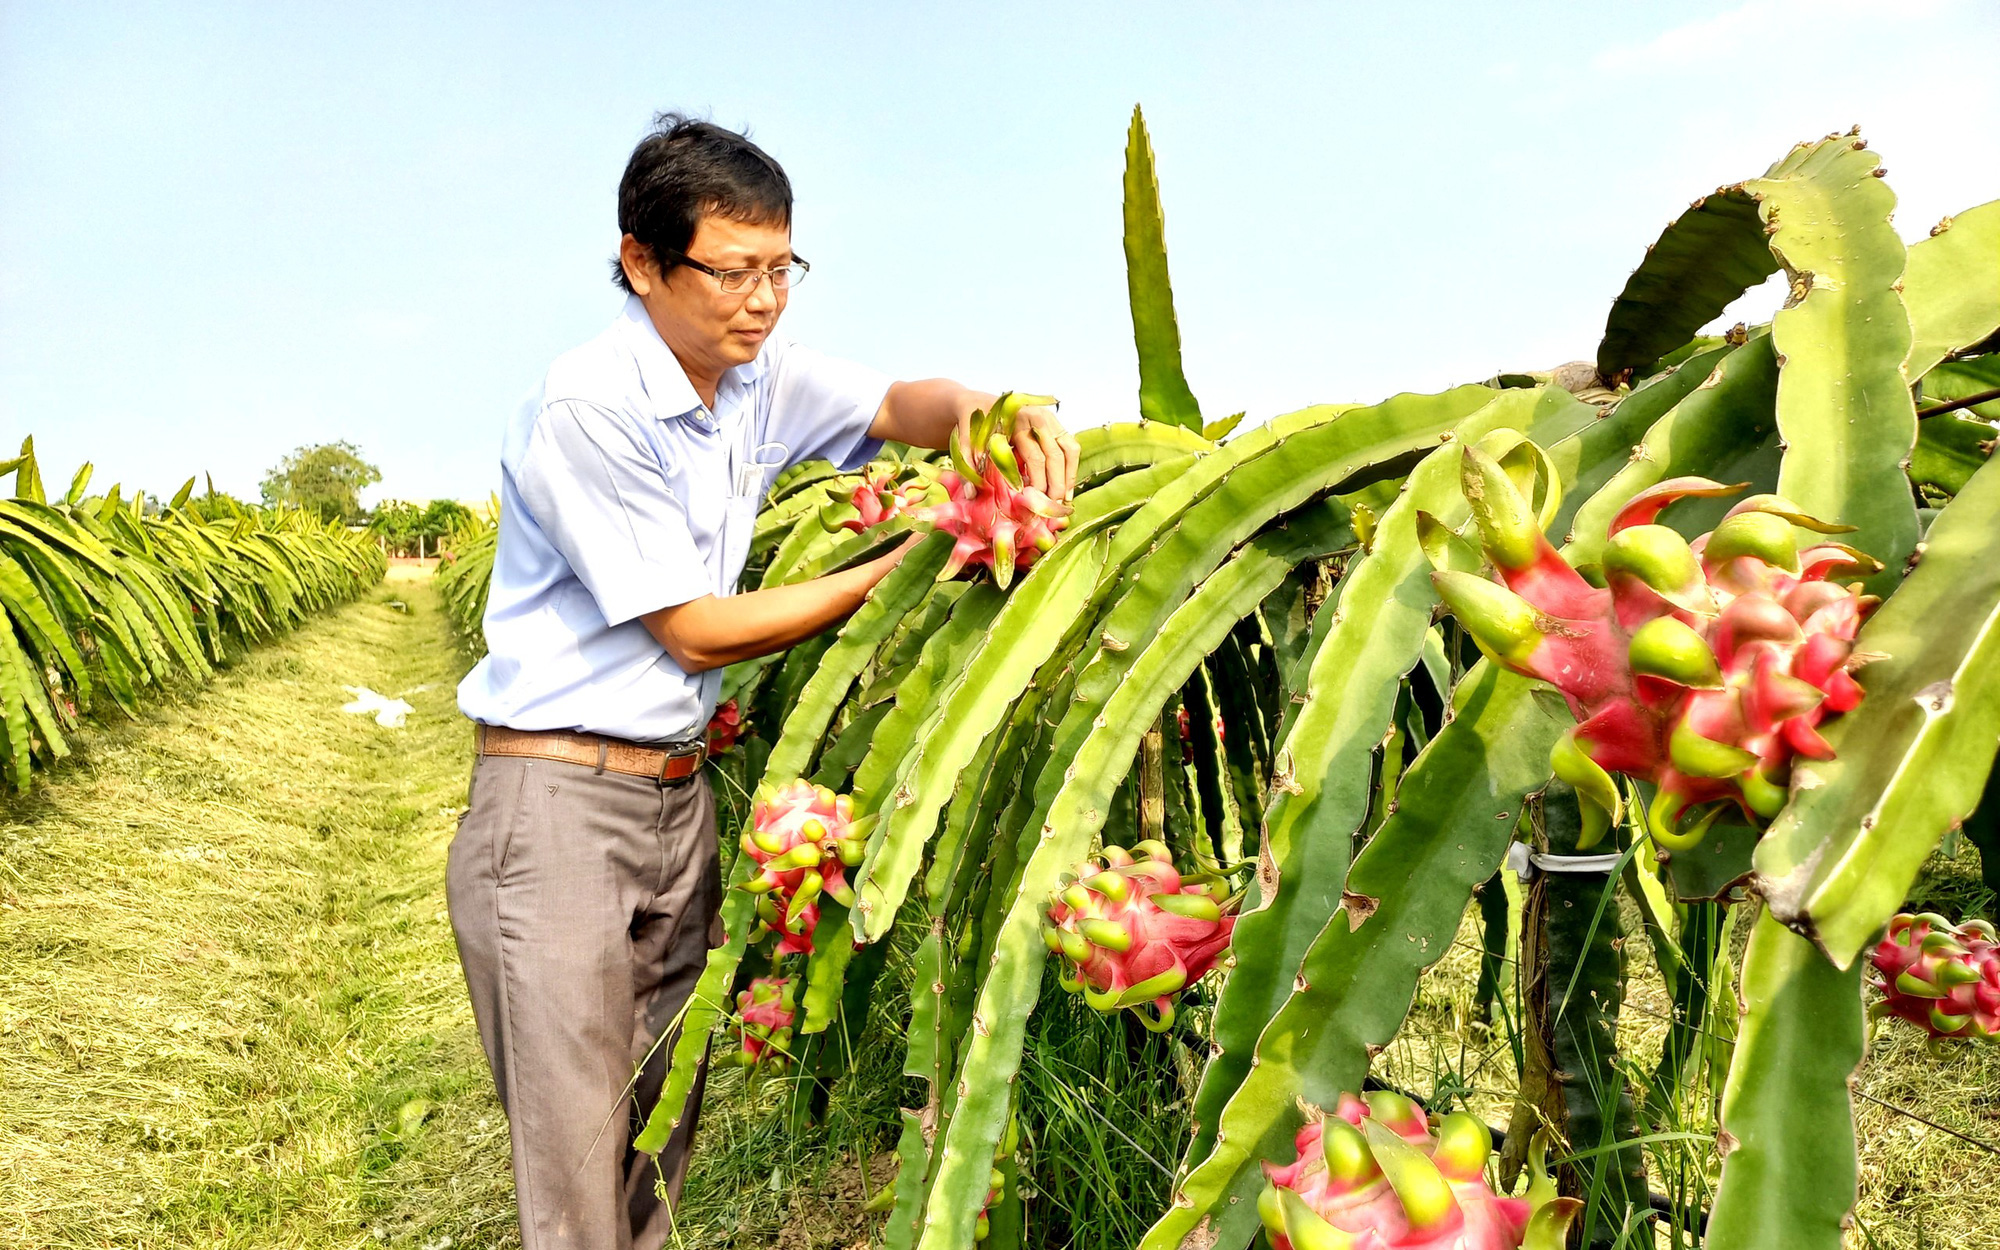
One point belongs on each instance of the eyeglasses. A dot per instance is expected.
(783, 277)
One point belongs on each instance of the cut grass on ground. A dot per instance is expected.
(230, 1008)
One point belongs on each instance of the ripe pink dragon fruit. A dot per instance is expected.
(1000, 524)
(1704, 667)
(879, 498)
(803, 838)
(1942, 978)
(1378, 1175)
(764, 1015)
(725, 727)
(1133, 930)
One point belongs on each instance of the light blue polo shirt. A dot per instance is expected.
(621, 494)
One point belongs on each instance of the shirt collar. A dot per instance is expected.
(660, 372)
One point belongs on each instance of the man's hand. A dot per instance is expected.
(924, 413)
(1048, 453)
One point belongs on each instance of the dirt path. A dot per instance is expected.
(230, 1009)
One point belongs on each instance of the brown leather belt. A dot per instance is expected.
(606, 755)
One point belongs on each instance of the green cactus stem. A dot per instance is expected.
(1788, 1167)
(1838, 862)
(1163, 390)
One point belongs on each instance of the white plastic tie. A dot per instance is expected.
(1523, 862)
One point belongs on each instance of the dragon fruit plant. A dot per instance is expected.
(1134, 930)
(764, 1014)
(1380, 1175)
(1702, 667)
(803, 839)
(1943, 978)
(999, 523)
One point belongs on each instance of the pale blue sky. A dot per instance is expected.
(227, 230)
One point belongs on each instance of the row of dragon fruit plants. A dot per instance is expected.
(107, 601)
(1235, 742)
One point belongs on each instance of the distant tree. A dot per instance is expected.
(397, 524)
(326, 479)
(410, 530)
(445, 517)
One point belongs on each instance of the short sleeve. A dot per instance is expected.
(600, 496)
(821, 407)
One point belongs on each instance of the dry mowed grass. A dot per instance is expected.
(230, 1008)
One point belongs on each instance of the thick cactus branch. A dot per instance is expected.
(1787, 1139)
(1711, 254)
(1912, 760)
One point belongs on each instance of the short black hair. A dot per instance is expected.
(686, 169)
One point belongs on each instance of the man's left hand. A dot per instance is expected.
(1048, 453)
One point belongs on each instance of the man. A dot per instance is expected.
(583, 882)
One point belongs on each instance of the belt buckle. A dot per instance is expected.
(698, 750)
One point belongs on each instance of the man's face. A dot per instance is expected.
(708, 328)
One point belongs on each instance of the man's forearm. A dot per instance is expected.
(924, 413)
(714, 631)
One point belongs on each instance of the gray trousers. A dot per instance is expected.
(583, 904)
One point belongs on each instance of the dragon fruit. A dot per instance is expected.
(1704, 668)
(725, 727)
(1133, 930)
(880, 498)
(1378, 1175)
(803, 839)
(1000, 524)
(1942, 978)
(764, 1015)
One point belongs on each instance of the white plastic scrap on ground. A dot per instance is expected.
(389, 713)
